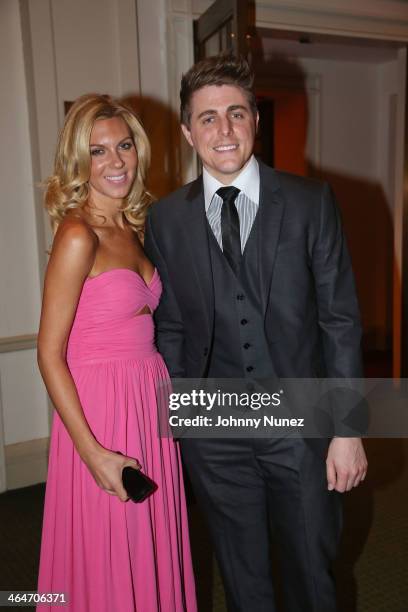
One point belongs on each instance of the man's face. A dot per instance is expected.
(222, 130)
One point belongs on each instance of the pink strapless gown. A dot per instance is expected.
(106, 555)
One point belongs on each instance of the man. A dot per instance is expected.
(257, 283)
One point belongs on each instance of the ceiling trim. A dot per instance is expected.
(379, 19)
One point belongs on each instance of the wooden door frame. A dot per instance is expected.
(240, 12)
(312, 86)
(404, 271)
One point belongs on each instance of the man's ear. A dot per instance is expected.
(256, 122)
(187, 134)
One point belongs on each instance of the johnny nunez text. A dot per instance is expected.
(230, 421)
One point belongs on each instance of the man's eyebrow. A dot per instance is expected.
(233, 107)
(207, 112)
(237, 107)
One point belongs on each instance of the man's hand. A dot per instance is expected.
(346, 464)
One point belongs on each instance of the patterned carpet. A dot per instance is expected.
(372, 570)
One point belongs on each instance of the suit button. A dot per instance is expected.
(244, 321)
(249, 369)
(205, 351)
(240, 296)
(246, 345)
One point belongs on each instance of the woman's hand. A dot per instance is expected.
(106, 468)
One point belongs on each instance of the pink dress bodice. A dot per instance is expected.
(107, 324)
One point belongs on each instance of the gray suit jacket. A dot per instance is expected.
(308, 296)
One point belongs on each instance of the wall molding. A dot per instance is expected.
(26, 463)
(11, 344)
(378, 19)
(373, 9)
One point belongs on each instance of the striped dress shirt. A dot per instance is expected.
(247, 201)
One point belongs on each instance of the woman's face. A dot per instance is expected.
(113, 160)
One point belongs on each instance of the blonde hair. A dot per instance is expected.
(67, 188)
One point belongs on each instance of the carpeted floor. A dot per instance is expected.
(372, 570)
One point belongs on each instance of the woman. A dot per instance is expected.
(97, 357)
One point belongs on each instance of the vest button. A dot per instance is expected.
(249, 369)
(205, 351)
(244, 321)
(240, 296)
(246, 345)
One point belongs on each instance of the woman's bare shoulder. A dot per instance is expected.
(75, 232)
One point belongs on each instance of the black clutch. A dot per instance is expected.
(137, 485)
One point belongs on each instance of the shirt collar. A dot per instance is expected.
(246, 181)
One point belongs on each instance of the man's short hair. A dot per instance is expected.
(223, 69)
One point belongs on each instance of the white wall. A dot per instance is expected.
(87, 54)
(348, 115)
(158, 117)
(23, 398)
(22, 395)
(358, 144)
(79, 47)
(20, 303)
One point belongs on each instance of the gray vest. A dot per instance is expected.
(240, 348)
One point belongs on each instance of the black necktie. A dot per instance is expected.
(231, 241)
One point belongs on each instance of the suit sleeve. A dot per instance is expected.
(168, 320)
(338, 311)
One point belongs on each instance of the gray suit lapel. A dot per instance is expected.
(271, 207)
(196, 224)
